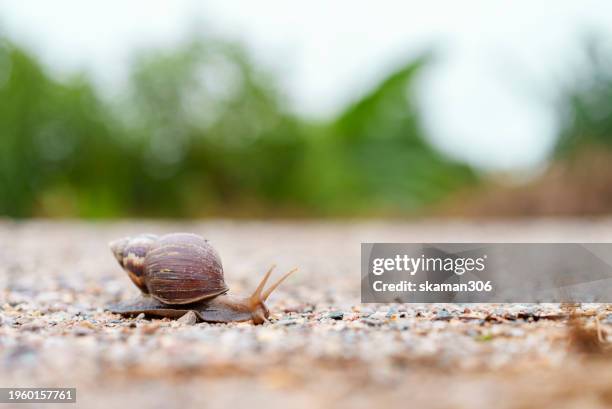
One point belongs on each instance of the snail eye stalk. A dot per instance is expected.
(256, 297)
(259, 296)
(275, 285)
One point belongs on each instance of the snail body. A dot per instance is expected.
(181, 272)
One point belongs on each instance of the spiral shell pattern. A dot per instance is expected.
(130, 252)
(182, 268)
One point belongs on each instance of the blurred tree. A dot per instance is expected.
(377, 157)
(54, 137)
(586, 104)
(208, 120)
(201, 131)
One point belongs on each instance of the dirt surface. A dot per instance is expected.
(322, 347)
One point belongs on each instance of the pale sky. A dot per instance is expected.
(486, 100)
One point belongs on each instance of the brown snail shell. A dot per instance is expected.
(182, 272)
(130, 253)
(183, 268)
(179, 268)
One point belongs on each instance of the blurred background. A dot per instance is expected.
(190, 109)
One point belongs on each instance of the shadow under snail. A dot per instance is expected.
(182, 272)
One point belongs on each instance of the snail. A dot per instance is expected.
(181, 272)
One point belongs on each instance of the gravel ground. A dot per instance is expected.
(322, 347)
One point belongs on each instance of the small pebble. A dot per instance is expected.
(286, 322)
(33, 325)
(188, 319)
(82, 331)
(149, 329)
(309, 308)
(87, 324)
(391, 314)
(336, 315)
(443, 315)
(372, 322)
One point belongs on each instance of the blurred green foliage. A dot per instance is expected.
(374, 158)
(201, 131)
(586, 103)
